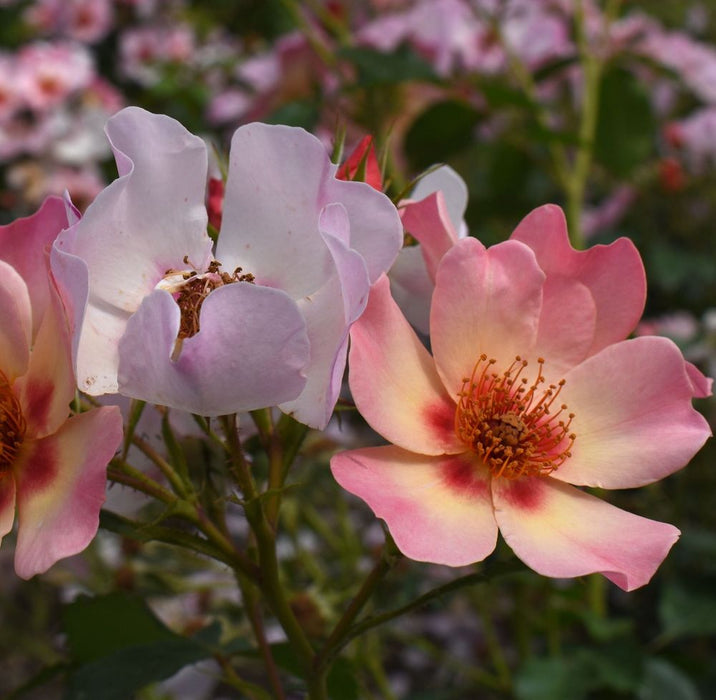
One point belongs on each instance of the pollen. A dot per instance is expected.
(516, 426)
(12, 425)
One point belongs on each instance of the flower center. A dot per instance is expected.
(190, 288)
(510, 423)
(12, 425)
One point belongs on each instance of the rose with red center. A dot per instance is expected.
(52, 466)
(532, 390)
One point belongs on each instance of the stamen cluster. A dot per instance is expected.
(509, 422)
(194, 288)
(12, 425)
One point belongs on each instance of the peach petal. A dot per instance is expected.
(633, 416)
(48, 386)
(563, 532)
(61, 488)
(438, 509)
(15, 322)
(429, 223)
(614, 274)
(394, 382)
(485, 301)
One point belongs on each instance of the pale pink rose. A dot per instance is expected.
(531, 391)
(298, 250)
(52, 466)
(48, 73)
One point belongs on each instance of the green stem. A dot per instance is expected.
(122, 473)
(181, 488)
(270, 582)
(251, 603)
(494, 571)
(385, 563)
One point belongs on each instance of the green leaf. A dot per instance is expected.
(381, 68)
(341, 681)
(663, 681)
(440, 131)
(547, 679)
(98, 626)
(119, 675)
(120, 646)
(302, 113)
(688, 611)
(626, 128)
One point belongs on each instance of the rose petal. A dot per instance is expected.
(272, 206)
(444, 179)
(701, 384)
(250, 352)
(438, 509)
(560, 531)
(7, 503)
(327, 323)
(429, 223)
(412, 287)
(151, 217)
(566, 325)
(24, 244)
(634, 422)
(48, 386)
(485, 301)
(376, 231)
(15, 323)
(614, 274)
(394, 382)
(61, 488)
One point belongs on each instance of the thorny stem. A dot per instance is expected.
(270, 583)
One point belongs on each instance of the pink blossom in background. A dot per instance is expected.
(48, 73)
(268, 323)
(144, 50)
(82, 20)
(693, 61)
(531, 391)
(52, 466)
(696, 136)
